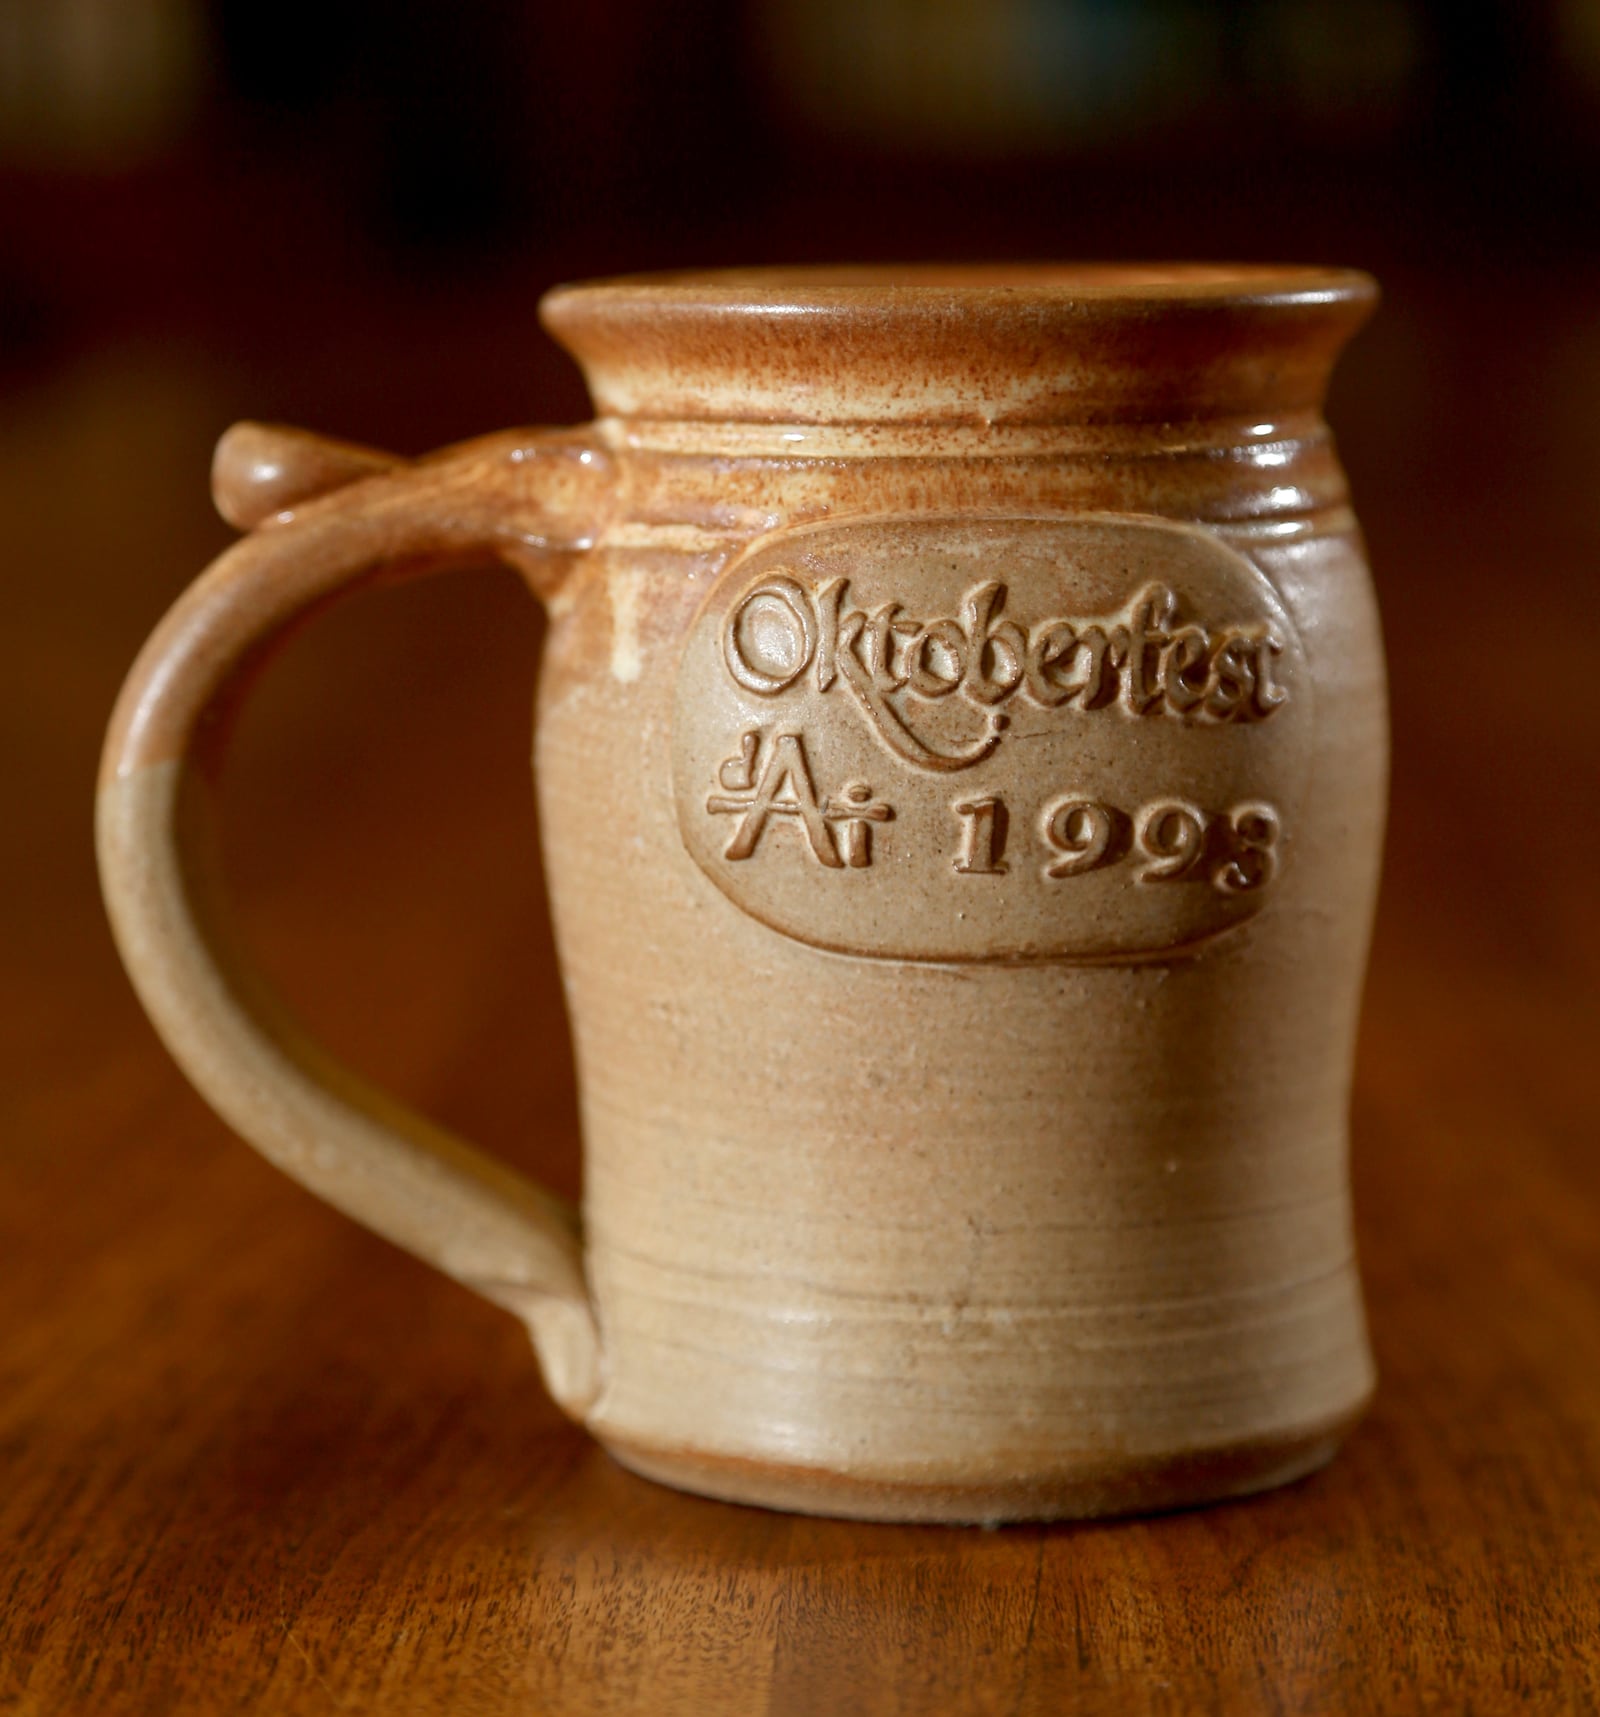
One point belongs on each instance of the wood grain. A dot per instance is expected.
(251, 1459)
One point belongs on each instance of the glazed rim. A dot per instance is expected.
(993, 343)
(792, 290)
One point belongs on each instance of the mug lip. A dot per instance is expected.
(999, 343)
(1061, 286)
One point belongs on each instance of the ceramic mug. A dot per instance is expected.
(963, 957)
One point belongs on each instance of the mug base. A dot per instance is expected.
(1084, 1491)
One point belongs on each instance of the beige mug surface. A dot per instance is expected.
(961, 754)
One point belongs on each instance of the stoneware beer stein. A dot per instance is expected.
(960, 756)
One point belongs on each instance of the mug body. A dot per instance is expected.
(961, 758)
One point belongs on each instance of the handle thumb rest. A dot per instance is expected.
(540, 494)
(260, 470)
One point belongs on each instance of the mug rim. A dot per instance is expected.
(997, 343)
(786, 289)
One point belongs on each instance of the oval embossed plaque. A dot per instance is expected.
(969, 739)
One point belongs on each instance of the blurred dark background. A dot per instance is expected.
(319, 189)
(342, 212)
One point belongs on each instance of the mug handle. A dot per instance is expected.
(328, 517)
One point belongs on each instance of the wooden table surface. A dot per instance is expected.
(252, 1459)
